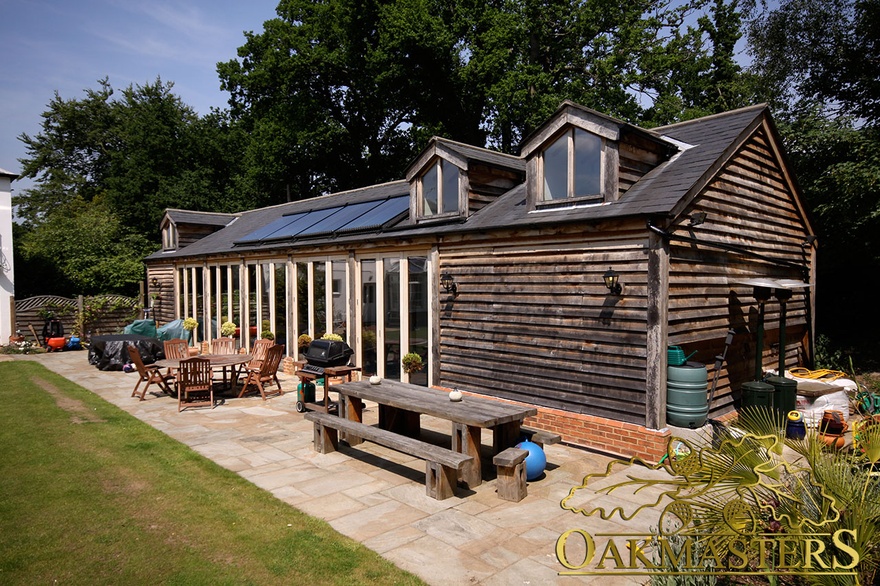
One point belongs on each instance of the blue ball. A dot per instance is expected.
(536, 461)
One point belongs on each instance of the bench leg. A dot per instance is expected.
(326, 438)
(466, 440)
(439, 480)
(512, 482)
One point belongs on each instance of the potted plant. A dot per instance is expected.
(266, 331)
(228, 329)
(303, 342)
(412, 363)
(333, 337)
(190, 324)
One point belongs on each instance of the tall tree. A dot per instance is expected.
(343, 93)
(139, 152)
(81, 248)
(824, 52)
(819, 65)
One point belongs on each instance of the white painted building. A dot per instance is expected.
(7, 269)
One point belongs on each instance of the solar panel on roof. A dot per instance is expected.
(378, 216)
(274, 226)
(342, 217)
(301, 224)
(359, 216)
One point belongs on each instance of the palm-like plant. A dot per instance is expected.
(749, 479)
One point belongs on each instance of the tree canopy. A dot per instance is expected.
(341, 94)
(819, 66)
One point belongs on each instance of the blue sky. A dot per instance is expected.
(68, 45)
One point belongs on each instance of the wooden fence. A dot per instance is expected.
(99, 314)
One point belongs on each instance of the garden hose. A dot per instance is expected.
(823, 373)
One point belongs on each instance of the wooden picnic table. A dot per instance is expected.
(401, 406)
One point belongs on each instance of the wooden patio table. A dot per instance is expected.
(224, 361)
(402, 404)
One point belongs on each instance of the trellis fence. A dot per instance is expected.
(87, 316)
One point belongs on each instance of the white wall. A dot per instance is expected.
(7, 270)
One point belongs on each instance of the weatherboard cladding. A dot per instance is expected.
(707, 141)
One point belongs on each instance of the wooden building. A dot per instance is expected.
(683, 214)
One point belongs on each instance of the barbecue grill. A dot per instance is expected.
(326, 353)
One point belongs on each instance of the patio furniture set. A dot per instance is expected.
(192, 378)
(401, 406)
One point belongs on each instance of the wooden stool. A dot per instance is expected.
(511, 465)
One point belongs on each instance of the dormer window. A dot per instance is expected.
(572, 167)
(439, 191)
(169, 237)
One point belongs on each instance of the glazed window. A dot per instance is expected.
(572, 167)
(169, 238)
(439, 190)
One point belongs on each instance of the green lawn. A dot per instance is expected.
(91, 495)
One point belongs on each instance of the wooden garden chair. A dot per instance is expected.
(266, 373)
(176, 349)
(151, 375)
(195, 385)
(258, 353)
(259, 350)
(225, 346)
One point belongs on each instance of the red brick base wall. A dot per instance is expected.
(616, 438)
(605, 435)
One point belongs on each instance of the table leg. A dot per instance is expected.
(351, 408)
(400, 421)
(505, 436)
(466, 440)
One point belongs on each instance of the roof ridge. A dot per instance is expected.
(761, 106)
(471, 146)
(202, 212)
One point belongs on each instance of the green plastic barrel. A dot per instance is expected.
(784, 393)
(687, 403)
(757, 394)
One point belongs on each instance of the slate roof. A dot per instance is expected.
(704, 144)
(707, 142)
(472, 153)
(205, 218)
(223, 241)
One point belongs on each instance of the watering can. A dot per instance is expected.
(675, 356)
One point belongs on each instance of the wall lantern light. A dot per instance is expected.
(448, 283)
(154, 282)
(697, 218)
(612, 281)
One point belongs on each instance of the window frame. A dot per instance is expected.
(442, 166)
(571, 156)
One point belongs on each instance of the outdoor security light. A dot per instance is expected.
(448, 283)
(612, 281)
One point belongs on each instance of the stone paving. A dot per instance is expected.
(377, 496)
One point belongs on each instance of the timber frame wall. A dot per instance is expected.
(532, 321)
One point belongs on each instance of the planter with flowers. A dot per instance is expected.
(190, 324)
(228, 329)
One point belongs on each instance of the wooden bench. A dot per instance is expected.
(441, 465)
(539, 436)
(511, 466)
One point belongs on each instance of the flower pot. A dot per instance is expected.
(833, 422)
(833, 440)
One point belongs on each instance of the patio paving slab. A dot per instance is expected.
(377, 496)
